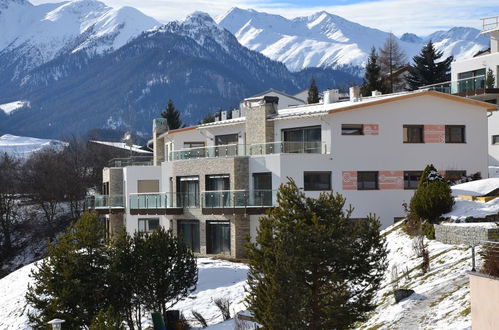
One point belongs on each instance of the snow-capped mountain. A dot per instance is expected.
(324, 39)
(23, 146)
(34, 35)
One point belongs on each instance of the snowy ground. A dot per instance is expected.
(23, 146)
(8, 108)
(463, 209)
(441, 299)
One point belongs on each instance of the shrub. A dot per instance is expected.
(223, 305)
(428, 229)
(433, 196)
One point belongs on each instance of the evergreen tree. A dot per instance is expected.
(172, 116)
(169, 269)
(490, 80)
(391, 58)
(433, 197)
(313, 93)
(312, 267)
(372, 77)
(209, 118)
(426, 69)
(70, 283)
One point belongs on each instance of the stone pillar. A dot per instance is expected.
(239, 232)
(258, 110)
(116, 223)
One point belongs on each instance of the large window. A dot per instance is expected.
(352, 129)
(317, 181)
(220, 183)
(413, 134)
(411, 179)
(367, 180)
(188, 191)
(495, 139)
(189, 145)
(471, 80)
(454, 175)
(302, 139)
(262, 189)
(148, 225)
(222, 140)
(189, 231)
(218, 237)
(455, 134)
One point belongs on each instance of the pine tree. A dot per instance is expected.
(70, 283)
(433, 197)
(372, 77)
(172, 116)
(391, 58)
(312, 267)
(490, 80)
(313, 93)
(427, 69)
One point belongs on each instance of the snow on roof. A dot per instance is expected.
(122, 145)
(23, 146)
(476, 188)
(463, 209)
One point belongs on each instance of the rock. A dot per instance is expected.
(402, 294)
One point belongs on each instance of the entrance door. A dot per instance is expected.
(188, 191)
(217, 190)
(189, 230)
(218, 237)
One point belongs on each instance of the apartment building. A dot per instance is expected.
(211, 182)
(469, 80)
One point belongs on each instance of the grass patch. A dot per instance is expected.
(466, 312)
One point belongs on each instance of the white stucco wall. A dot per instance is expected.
(490, 61)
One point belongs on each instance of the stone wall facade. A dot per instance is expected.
(258, 128)
(469, 235)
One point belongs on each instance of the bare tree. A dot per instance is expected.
(392, 58)
(9, 189)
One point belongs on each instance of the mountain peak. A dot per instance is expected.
(411, 37)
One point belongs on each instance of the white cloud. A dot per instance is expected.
(418, 16)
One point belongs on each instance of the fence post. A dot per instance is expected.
(473, 258)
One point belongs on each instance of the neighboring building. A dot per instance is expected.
(212, 182)
(469, 80)
(285, 100)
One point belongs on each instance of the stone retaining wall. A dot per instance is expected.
(469, 235)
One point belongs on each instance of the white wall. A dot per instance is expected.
(490, 61)
(493, 129)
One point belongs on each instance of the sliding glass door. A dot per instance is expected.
(218, 237)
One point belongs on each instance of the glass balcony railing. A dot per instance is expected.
(465, 87)
(147, 201)
(131, 161)
(104, 201)
(239, 198)
(233, 150)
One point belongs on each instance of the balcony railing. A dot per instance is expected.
(104, 202)
(233, 150)
(239, 198)
(464, 87)
(169, 200)
(131, 161)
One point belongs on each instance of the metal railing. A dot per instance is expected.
(131, 161)
(474, 85)
(233, 150)
(104, 201)
(145, 201)
(489, 23)
(239, 198)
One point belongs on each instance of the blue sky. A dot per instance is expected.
(398, 16)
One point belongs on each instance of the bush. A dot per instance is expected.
(428, 229)
(433, 196)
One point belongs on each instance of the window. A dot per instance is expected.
(454, 175)
(413, 134)
(221, 140)
(352, 129)
(411, 179)
(217, 237)
(367, 180)
(148, 225)
(317, 181)
(189, 145)
(262, 189)
(187, 191)
(219, 186)
(189, 231)
(105, 188)
(302, 139)
(454, 134)
(495, 139)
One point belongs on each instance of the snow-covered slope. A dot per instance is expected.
(324, 39)
(10, 107)
(23, 147)
(40, 33)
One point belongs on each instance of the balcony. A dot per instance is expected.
(467, 87)
(234, 150)
(105, 203)
(238, 201)
(162, 203)
(131, 161)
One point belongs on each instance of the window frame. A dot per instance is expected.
(352, 126)
(361, 184)
(315, 188)
(493, 138)
(411, 173)
(408, 127)
(448, 134)
(189, 144)
(195, 246)
(147, 227)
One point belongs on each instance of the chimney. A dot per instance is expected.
(236, 113)
(258, 110)
(223, 115)
(331, 96)
(355, 94)
(376, 93)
